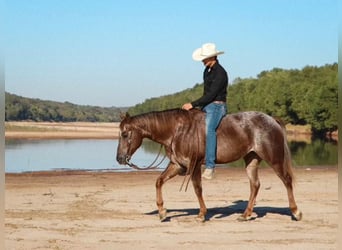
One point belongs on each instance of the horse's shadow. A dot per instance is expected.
(238, 207)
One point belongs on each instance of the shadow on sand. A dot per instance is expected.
(238, 207)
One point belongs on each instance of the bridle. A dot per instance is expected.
(151, 166)
(132, 165)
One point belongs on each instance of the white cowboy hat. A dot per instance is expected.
(206, 51)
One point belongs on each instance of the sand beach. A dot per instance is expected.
(111, 210)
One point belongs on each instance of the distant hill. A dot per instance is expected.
(18, 108)
(171, 101)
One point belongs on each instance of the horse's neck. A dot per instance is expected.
(157, 130)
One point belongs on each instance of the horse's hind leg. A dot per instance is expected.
(171, 171)
(287, 179)
(252, 163)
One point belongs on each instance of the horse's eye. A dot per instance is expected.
(124, 134)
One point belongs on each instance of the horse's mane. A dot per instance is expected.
(166, 119)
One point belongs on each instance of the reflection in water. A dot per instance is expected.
(318, 152)
(36, 155)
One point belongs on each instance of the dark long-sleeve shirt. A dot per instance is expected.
(215, 86)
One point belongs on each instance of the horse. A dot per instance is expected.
(251, 135)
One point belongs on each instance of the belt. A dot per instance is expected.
(219, 102)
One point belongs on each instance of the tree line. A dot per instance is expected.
(305, 96)
(18, 108)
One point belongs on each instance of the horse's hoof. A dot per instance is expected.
(200, 218)
(298, 215)
(244, 218)
(163, 215)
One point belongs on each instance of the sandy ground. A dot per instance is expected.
(87, 210)
(61, 130)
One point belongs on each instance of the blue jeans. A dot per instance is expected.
(214, 114)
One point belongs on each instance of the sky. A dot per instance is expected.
(120, 53)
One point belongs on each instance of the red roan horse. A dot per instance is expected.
(253, 136)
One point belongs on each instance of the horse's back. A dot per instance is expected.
(249, 122)
(237, 135)
(241, 133)
(243, 125)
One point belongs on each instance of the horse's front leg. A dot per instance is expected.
(197, 184)
(171, 171)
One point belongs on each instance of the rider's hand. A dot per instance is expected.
(187, 106)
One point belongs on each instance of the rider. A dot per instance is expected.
(213, 100)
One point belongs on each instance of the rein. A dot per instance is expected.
(132, 165)
(192, 165)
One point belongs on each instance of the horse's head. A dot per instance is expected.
(129, 141)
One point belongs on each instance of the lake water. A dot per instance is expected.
(41, 155)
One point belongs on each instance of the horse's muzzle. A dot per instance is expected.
(123, 159)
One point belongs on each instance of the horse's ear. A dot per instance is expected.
(124, 116)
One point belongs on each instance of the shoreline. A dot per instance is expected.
(61, 130)
(127, 169)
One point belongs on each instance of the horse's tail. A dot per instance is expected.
(287, 163)
(288, 158)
